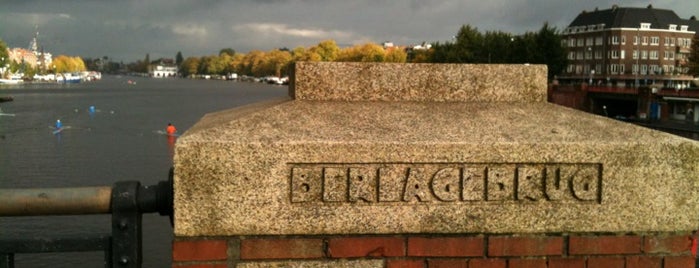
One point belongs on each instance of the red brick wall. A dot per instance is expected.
(661, 250)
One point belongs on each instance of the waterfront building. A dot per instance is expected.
(627, 46)
(614, 54)
(161, 71)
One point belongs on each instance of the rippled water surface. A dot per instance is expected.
(118, 142)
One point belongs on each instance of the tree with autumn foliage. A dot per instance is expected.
(67, 64)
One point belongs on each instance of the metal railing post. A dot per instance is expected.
(126, 225)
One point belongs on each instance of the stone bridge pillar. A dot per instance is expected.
(430, 165)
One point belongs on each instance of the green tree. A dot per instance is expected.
(420, 56)
(252, 63)
(327, 50)
(550, 51)
(146, 64)
(277, 62)
(497, 47)
(368, 52)
(396, 55)
(524, 48)
(693, 59)
(4, 57)
(212, 65)
(190, 66)
(178, 58)
(303, 54)
(467, 47)
(227, 51)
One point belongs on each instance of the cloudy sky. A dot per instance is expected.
(127, 30)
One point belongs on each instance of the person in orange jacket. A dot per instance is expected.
(170, 130)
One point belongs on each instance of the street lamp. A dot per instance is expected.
(638, 55)
(589, 51)
(592, 73)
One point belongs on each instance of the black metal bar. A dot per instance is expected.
(55, 201)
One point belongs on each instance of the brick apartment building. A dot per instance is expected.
(625, 45)
(613, 52)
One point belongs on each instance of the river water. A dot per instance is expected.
(119, 141)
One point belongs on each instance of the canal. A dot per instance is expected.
(119, 141)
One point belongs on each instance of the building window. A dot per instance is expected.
(635, 40)
(644, 54)
(570, 68)
(653, 55)
(672, 41)
(684, 28)
(634, 69)
(588, 41)
(654, 41)
(616, 68)
(588, 54)
(667, 41)
(579, 55)
(669, 55)
(614, 54)
(673, 27)
(571, 42)
(635, 54)
(623, 54)
(581, 42)
(571, 55)
(615, 40)
(644, 69)
(598, 54)
(598, 41)
(645, 40)
(645, 25)
(623, 39)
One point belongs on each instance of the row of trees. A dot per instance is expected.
(276, 62)
(472, 46)
(469, 46)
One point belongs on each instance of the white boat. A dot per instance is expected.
(69, 78)
(10, 81)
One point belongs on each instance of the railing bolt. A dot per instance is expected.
(124, 260)
(123, 224)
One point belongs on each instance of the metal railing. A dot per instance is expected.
(126, 201)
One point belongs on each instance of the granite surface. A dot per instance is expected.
(353, 81)
(329, 164)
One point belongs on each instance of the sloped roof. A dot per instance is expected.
(631, 17)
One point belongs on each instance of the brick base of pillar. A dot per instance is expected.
(661, 250)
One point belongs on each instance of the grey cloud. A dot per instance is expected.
(129, 29)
